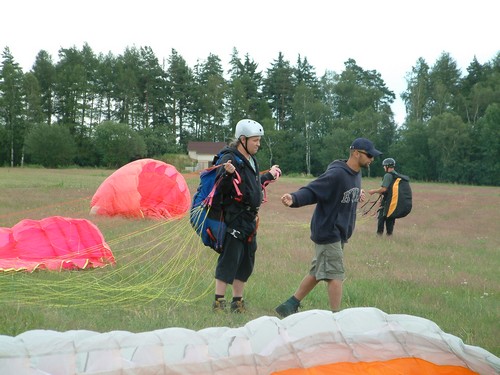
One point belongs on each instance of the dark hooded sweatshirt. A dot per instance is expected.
(336, 194)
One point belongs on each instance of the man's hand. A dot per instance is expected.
(287, 199)
(275, 171)
(229, 167)
(362, 196)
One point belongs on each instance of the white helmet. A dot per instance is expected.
(248, 128)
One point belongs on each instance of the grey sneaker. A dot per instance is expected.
(287, 308)
(238, 307)
(219, 306)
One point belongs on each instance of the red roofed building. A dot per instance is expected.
(203, 152)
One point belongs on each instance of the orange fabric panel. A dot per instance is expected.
(399, 366)
(145, 188)
(394, 200)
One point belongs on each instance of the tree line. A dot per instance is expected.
(91, 109)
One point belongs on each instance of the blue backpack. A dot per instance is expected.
(206, 214)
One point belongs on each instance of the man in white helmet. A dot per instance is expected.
(389, 166)
(236, 262)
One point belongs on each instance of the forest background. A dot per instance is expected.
(96, 110)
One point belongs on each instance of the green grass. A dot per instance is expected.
(441, 264)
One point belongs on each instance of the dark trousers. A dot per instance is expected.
(383, 221)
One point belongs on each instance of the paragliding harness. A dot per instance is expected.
(206, 215)
(398, 201)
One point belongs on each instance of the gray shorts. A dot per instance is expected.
(328, 263)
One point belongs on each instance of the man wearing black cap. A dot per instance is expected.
(336, 194)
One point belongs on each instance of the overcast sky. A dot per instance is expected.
(383, 35)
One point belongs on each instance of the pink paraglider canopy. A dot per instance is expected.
(145, 188)
(53, 243)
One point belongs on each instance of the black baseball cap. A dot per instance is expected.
(365, 144)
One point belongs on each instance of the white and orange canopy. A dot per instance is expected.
(360, 340)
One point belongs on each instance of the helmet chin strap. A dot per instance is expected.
(244, 144)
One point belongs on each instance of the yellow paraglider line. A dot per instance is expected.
(164, 262)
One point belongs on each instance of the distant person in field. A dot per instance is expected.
(384, 222)
(336, 194)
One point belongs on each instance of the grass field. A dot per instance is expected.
(442, 263)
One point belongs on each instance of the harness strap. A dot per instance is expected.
(236, 181)
(373, 204)
(267, 182)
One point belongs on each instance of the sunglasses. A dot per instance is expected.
(367, 154)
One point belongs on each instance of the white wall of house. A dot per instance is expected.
(202, 160)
